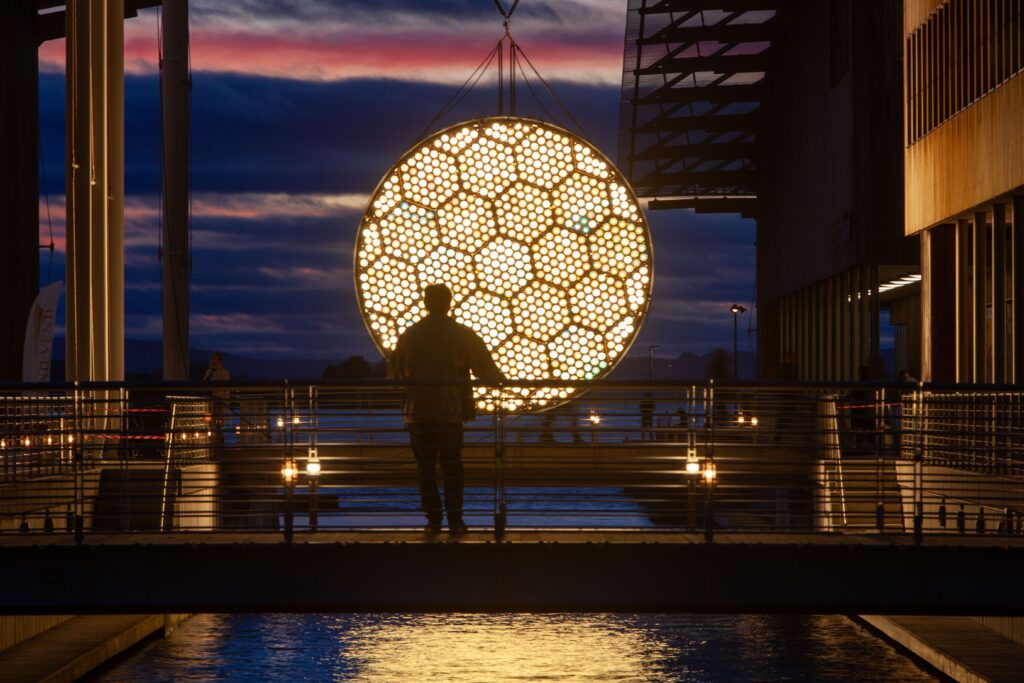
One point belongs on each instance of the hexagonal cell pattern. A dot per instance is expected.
(389, 286)
(409, 232)
(467, 223)
(617, 247)
(544, 158)
(581, 203)
(389, 194)
(597, 301)
(487, 167)
(537, 234)
(577, 354)
(429, 177)
(504, 266)
(488, 314)
(561, 257)
(524, 212)
(541, 311)
(449, 267)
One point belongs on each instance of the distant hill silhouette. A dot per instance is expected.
(144, 358)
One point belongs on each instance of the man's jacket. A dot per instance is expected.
(438, 348)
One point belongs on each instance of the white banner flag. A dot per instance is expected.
(39, 335)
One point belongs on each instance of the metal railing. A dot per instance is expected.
(282, 458)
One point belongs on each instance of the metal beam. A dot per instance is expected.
(725, 33)
(671, 6)
(706, 151)
(717, 94)
(719, 123)
(175, 258)
(756, 576)
(718, 64)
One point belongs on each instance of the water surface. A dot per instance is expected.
(516, 647)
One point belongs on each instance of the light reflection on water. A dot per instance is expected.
(516, 647)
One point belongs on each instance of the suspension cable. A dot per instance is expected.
(565, 108)
(463, 91)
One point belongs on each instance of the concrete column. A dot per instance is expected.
(95, 190)
(999, 292)
(874, 318)
(175, 258)
(1018, 289)
(963, 318)
(19, 180)
(979, 374)
(938, 317)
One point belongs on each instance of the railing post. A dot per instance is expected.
(313, 455)
(709, 514)
(919, 465)
(880, 408)
(78, 464)
(500, 504)
(691, 457)
(289, 479)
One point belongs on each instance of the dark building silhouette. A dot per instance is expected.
(789, 112)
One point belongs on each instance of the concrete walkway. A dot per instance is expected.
(72, 649)
(959, 647)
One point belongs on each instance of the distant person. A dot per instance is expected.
(438, 348)
(906, 377)
(217, 372)
(647, 405)
(862, 410)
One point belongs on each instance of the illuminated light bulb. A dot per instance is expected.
(71, 438)
(313, 464)
(295, 420)
(289, 471)
(595, 419)
(26, 441)
(753, 422)
(280, 422)
(710, 472)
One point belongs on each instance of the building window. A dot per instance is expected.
(960, 53)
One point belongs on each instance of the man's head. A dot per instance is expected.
(216, 359)
(437, 299)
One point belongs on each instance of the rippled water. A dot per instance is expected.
(516, 647)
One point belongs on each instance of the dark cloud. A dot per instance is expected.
(373, 13)
(281, 285)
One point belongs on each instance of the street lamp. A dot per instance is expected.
(650, 361)
(313, 472)
(289, 471)
(736, 310)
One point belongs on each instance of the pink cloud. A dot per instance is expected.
(409, 55)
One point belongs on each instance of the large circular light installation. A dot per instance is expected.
(537, 234)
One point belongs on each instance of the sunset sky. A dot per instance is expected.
(298, 110)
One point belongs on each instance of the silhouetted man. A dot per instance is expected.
(438, 348)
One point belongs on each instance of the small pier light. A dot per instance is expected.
(692, 463)
(710, 472)
(289, 470)
(595, 419)
(280, 423)
(3, 443)
(26, 442)
(295, 420)
(741, 419)
(313, 464)
(753, 422)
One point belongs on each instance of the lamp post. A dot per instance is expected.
(289, 471)
(313, 472)
(650, 361)
(736, 310)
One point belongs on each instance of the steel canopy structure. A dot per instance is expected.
(692, 92)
